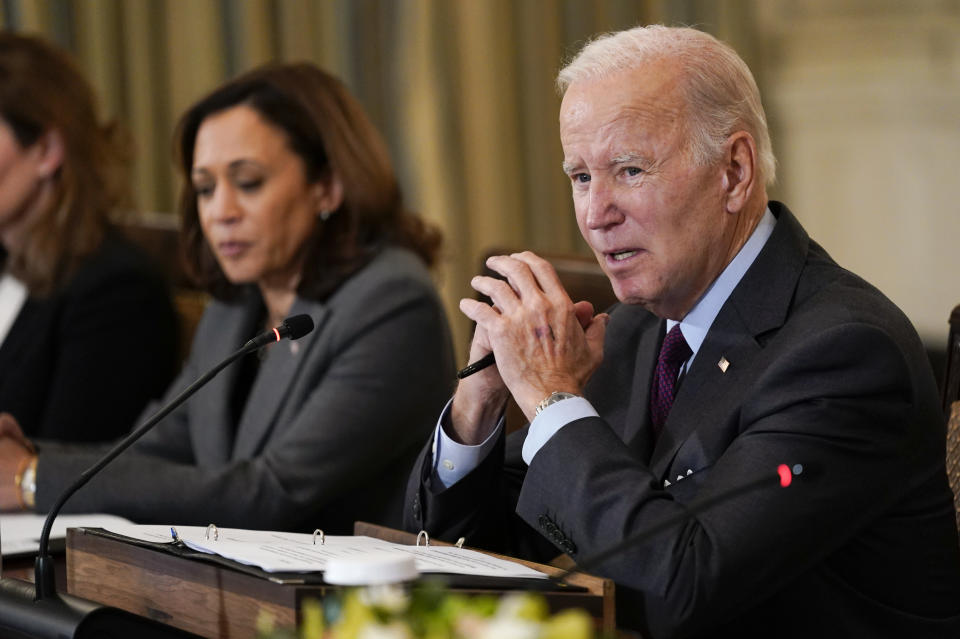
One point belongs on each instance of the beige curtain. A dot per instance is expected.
(462, 90)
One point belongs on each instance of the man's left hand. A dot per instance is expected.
(543, 342)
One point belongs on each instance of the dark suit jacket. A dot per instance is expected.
(823, 371)
(81, 364)
(331, 426)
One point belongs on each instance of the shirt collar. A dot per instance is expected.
(698, 321)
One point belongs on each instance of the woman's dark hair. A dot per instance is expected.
(42, 90)
(327, 128)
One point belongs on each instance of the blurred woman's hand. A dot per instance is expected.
(9, 427)
(14, 457)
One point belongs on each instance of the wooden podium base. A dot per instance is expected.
(216, 601)
(206, 599)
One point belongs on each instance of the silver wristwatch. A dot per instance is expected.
(553, 398)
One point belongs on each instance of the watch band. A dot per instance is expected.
(553, 398)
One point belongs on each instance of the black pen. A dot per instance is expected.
(476, 366)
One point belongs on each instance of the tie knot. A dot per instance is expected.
(675, 349)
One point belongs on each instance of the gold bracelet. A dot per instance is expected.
(26, 481)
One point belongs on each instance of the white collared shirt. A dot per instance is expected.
(13, 295)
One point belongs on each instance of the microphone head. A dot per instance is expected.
(296, 327)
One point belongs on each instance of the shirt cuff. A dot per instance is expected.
(453, 461)
(550, 420)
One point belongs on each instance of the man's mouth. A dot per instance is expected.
(619, 256)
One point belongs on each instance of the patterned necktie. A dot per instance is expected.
(673, 353)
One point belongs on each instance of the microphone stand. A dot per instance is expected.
(44, 574)
(38, 610)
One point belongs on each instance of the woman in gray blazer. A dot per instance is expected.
(290, 206)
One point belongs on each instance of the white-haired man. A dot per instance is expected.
(739, 345)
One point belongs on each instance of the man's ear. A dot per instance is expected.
(328, 192)
(740, 170)
(49, 151)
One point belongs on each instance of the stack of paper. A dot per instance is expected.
(20, 532)
(294, 552)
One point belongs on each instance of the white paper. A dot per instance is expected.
(297, 552)
(20, 532)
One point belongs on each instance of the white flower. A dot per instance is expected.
(392, 630)
(390, 597)
(510, 628)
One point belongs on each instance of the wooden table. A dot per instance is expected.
(216, 601)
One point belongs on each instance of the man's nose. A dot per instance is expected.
(601, 207)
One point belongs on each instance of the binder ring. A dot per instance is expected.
(216, 533)
(322, 538)
(423, 534)
(460, 541)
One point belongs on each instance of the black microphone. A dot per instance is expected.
(293, 327)
(16, 615)
(785, 475)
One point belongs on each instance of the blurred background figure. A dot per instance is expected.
(290, 205)
(87, 331)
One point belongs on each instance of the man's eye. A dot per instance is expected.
(633, 171)
(582, 178)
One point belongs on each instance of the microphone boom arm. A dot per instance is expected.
(43, 569)
(293, 327)
(784, 472)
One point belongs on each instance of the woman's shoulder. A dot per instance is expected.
(399, 262)
(392, 269)
(117, 261)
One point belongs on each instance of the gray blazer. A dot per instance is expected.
(824, 371)
(330, 428)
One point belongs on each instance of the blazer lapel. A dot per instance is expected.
(212, 427)
(277, 375)
(758, 304)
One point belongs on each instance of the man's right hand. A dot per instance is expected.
(480, 398)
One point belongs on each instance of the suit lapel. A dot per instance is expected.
(276, 378)
(758, 304)
(211, 416)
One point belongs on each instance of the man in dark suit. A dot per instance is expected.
(739, 346)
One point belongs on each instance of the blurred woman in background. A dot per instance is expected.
(290, 206)
(87, 331)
